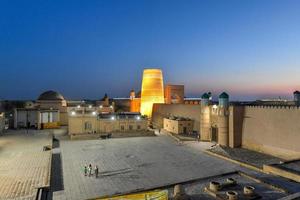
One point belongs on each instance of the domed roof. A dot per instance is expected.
(50, 95)
(224, 95)
(205, 96)
(296, 92)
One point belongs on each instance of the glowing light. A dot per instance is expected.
(73, 113)
(90, 106)
(78, 106)
(215, 106)
(138, 117)
(100, 106)
(111, 106)
(152, 90)
(112, 118)
(94, 113)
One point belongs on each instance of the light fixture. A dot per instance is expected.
(93, 113)
(138, 117)
(78, 106)
(111, 106)
(100, 106)
(90, 106)
(73, 113)
(112, 117)
(215, 106)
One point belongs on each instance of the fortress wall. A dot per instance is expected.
(183, 110)
(273, 130)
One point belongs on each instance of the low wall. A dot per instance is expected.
(273, 130)
(160, 111)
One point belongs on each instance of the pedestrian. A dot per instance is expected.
(85, 170)
(96, 171)
(90, 169)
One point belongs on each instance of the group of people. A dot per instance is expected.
(88, 170)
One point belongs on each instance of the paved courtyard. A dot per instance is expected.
(131, 164)
(24, 166)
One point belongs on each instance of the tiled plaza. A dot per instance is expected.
(24, 166)
(131, 164)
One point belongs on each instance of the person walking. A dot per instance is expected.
(96, 171)
(90, 169)
(85, 170)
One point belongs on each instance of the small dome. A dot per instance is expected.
(50, 95)
(205, 96)
(296, 92)
(224, 95)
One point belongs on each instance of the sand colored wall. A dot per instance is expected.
(273, 130)
(161, 111)
(77, 125)
(177, 126)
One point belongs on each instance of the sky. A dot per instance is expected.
(83, 49)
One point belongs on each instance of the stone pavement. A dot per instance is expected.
(131, 164)
(24, 166)
(250, 157)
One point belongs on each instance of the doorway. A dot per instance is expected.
(214, 134)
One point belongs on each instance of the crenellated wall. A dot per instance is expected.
(272, 129)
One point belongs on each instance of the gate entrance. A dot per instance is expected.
(214, 134)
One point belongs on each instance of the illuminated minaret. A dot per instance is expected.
(223, 119)
(152, 90)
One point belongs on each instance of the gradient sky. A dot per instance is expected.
(249, 48)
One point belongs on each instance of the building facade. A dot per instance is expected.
(88, 121)
(178, 125)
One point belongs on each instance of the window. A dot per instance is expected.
(138, 127)
(130, 127)
(88, 126)
(122, 128)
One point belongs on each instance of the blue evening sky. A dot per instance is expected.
(249, 48)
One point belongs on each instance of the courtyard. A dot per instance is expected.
(132, 164)
(126, 165)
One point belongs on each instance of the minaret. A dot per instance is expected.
(223, 119)
(205, 118)
(132, 94)
(152, 90)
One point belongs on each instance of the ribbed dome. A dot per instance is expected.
(205, 96)
(50, 95)
(224, 95)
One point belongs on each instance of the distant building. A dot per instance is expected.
(49, 111)
(51, 100)
(174, 94)
(88, 121)
(36, 118)
(178, 125)
(135, 101)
